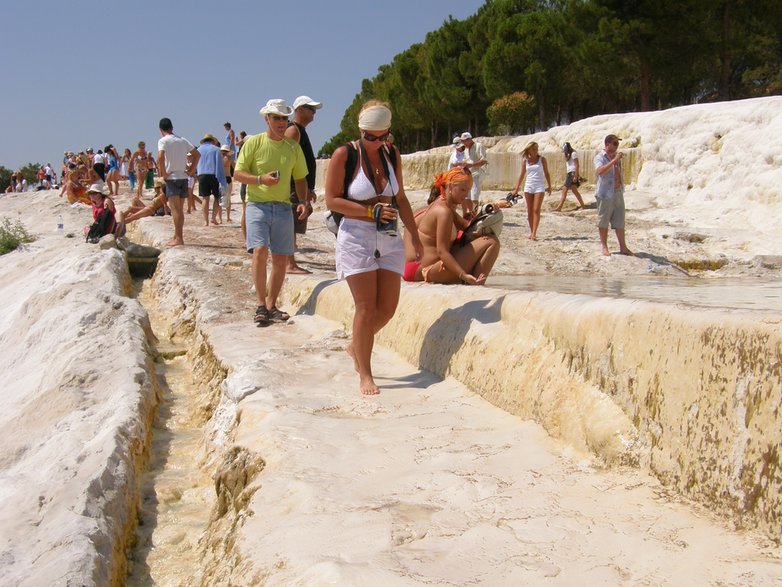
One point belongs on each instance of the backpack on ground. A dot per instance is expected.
(103, 225)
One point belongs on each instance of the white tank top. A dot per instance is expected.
(535, 183)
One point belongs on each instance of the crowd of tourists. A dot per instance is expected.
(451, 240)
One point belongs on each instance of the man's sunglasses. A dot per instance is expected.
(373, 138)
(277, 117)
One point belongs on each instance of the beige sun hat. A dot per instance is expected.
(225, 148)
(209, 138)
(276, 106)
(97, 188)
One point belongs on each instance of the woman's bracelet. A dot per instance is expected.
(259, 180)
(370, 209)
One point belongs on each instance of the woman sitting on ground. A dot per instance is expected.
(73, 186)
(100, 202)
(445, 260)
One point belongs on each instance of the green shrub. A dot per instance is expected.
(512, 114)
(13, 235)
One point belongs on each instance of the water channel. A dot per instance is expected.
(176, 493)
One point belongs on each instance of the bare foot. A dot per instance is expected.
(606, 252)
(206, 223)
(532, 238)
(352, 353)
(367, 386)
(557, 209)
(175, 242)
(214, 222)
(627, 252)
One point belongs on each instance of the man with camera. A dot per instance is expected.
(266, 164)
(609, 194)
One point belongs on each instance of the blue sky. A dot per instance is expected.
(81, 74)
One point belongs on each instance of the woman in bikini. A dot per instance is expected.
(139, 164)
(445, 260)
(369, 259)
(535, 169)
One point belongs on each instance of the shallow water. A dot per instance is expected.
(732, 293)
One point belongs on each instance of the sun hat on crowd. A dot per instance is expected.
(209, 138)
(459, 145)
(305, 101)
(466, 136)
(276, 106)
(225, 148)
(97, 188)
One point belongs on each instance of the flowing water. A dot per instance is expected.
(176, 493)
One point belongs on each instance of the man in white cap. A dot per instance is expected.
(266, 163)
(304, 109)
(475, 157)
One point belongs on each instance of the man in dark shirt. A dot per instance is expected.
(304, 109)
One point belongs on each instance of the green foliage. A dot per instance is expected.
(12, 235)
(5, 178)
(513, 114)
(578, 58)
(333, 144)
(30, 172)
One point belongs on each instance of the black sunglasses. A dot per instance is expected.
(277, 117)
(373, 138)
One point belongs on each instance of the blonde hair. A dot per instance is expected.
(373, 103)
(531, 145)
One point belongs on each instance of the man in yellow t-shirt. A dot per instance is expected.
(266, 164)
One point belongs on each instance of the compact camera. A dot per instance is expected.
(387, 227)
(511, 199)
(276, 174)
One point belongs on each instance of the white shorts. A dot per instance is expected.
(357, 242)
(534, 187)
